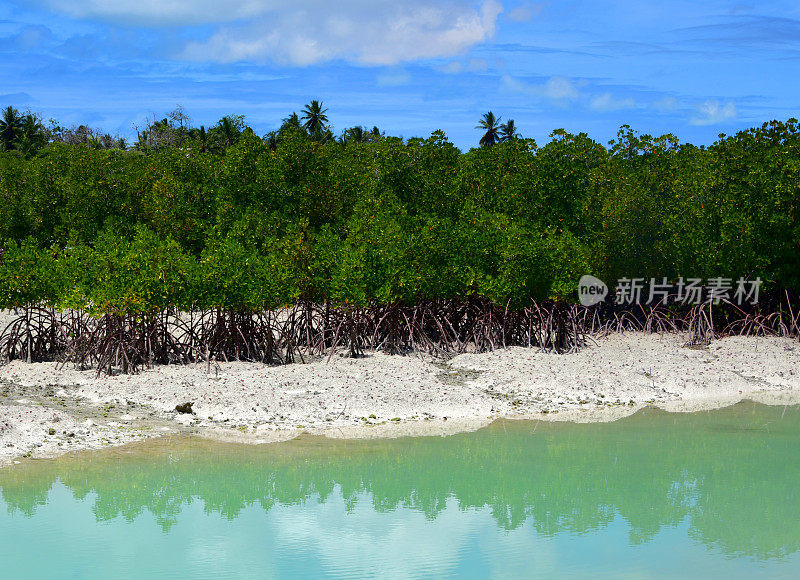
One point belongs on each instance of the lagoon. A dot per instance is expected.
(652, 495)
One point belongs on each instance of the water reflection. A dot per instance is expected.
(726, 481)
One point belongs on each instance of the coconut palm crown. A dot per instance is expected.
(10, 127)
(315, 120)
(508, 131)
(491, 125)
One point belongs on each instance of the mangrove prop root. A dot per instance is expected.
(131, 342)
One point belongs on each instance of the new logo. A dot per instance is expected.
(591, 290)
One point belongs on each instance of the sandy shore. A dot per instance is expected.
(46, 410)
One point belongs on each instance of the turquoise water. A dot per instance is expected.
(651, 496)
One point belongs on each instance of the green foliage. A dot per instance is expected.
(143, 273)
(235, 273)
(538, 266)
(224, 219)
(25, 274)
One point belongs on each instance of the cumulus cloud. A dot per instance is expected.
(607, 102)
(557, 88)
(560, 88)
(477, 65)
(666, 104)
(452, 67)
(713, 112)
(526, 11)
(304, 32)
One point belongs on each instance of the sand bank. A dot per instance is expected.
(46, 410)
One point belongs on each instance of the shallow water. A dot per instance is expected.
(654, 495)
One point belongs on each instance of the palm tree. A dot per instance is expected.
(10, 127)
(508, 131)
(30, 135)
(355, 135)
(95, 142)
(290, 126)
(25, 145)
(315, 120)
(490, 124)
(227, 131)
(200, 137)
(291, 122)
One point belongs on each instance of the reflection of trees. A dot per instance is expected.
(26, 495)
(732, 474)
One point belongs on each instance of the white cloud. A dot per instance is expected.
(666, 104)
(526, 11)
(452, 67)
(607, 102)
(713, 112)
(394, 78)
(476, 65)
(164, 12)
(557, 88)
(304, 32)
(560, 88)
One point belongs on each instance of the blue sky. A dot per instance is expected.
(695, 69)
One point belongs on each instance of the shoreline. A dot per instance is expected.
(46, 411)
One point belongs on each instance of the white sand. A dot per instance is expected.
(387, 396)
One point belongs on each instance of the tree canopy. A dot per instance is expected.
(258, 222)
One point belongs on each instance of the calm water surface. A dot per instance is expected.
(652, 496)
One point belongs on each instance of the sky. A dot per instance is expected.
(694, 69)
